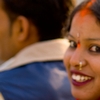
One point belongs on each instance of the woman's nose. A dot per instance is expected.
(77, 57)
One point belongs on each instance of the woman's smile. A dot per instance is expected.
(80, 79)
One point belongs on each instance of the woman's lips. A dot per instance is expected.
(79, 79)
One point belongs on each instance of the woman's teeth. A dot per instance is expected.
(80, 78)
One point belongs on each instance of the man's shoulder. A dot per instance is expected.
(32, 77)
(38, 67)
(37, 76)
(38, 71)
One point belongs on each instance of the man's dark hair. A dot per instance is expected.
(49, 16)
(94, 8)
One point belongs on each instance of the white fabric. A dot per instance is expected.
(42, 51)
(1, 97)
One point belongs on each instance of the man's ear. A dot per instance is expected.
(21, 28)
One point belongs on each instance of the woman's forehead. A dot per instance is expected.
(85, 10)
(84, 25)
(78, 19)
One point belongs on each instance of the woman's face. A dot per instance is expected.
(84, 38)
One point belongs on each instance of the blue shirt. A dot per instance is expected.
(36, 81)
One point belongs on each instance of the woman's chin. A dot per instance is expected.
(79, 95)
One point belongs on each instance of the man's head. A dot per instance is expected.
(23, 22)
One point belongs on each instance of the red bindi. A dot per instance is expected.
(78, 44)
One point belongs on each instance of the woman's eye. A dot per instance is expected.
(73, 44)
(95, 49)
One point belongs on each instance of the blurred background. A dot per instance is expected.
(77, 1)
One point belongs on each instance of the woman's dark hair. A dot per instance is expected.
(49, 16)
(94, 8)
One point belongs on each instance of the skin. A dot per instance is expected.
(88, 52)
(15, 36)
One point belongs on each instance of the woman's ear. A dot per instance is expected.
(21, 28)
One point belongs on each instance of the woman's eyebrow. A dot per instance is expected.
(92, 39)
(69, 35)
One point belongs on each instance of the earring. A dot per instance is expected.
(80, 65)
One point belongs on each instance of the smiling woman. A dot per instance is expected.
(82, 58)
